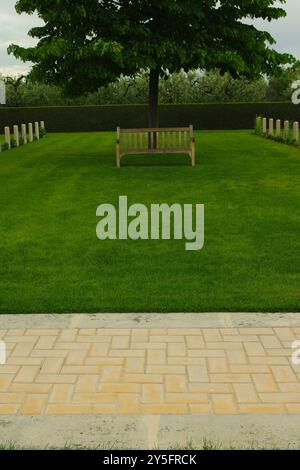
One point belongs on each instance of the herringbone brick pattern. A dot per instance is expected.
(149, 371)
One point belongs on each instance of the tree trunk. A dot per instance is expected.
(153, 98)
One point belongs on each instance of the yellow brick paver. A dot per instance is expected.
(152, 393)
(61, 393)
(105, 371)
(175, 383)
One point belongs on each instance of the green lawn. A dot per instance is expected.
(51, 260)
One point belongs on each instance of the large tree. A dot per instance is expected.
(88, 43)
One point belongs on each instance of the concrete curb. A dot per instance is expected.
(152, 432)
(150, 320)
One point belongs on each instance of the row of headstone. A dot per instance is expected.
(273, 128)
(32, 134)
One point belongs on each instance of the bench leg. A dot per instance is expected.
(193, 156)
(118, 157)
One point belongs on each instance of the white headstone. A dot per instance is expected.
(286, 129)
(259, 123)
(37, 130)
(2, 92)
(24, 134)
(264, 125)
(271, 126)
(7, 136)
(278, 128)
(30, 132)
(16, 136)
(296, 131)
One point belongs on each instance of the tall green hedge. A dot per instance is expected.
(107, 118)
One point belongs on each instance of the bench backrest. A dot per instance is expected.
(155, 138)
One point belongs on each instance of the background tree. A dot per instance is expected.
(88, 43)
(280, 88)
(177, 88)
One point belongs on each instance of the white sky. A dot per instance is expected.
(14, 28)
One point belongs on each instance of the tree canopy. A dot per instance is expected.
(85, 44)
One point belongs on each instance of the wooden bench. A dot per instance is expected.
(156, 140)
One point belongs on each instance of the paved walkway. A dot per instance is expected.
(149, 365)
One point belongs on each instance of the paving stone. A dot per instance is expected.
(262, 409)
(10, 397)
(212, 334)
(5, 381)
(87, 384)
(140, 336)
(15, 332)
(283, 374)
(8, 409)
(99, 349)
(22, 350)
(177, 350)
(224, 404)
(195, 342)
(164, 409)
(135, 365)
(197, 373)
(46, 342)
(285, 334)
(265, 383)
(88, 398)
(34, 404)
(236, 357)
(175, 383)
(152, 393)
(61, 393)
(155, 371)
(68, 409)
(156, 357)
(27, 374)
(129, 403)
(270, 342)
(111, 374)
(254, 349)
(197, 408)
(52, 365)
(217, 365)
(186, 397)
(76, 357)
(120, 342)
(245, 393)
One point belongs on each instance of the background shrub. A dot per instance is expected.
(107, 118)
